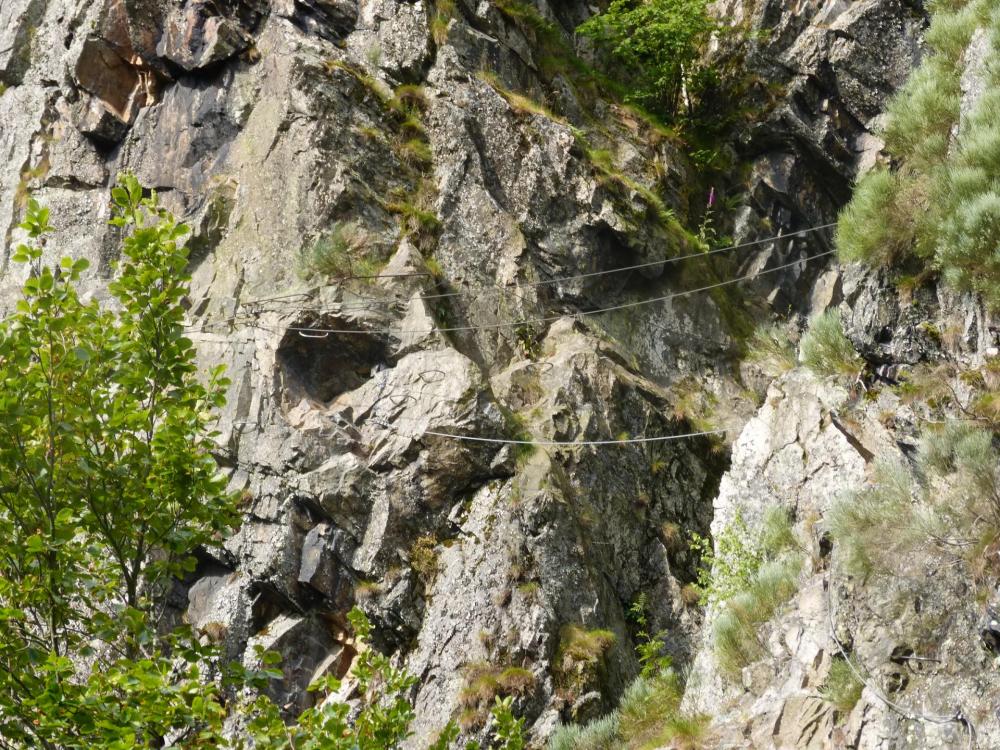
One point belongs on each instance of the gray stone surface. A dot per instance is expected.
(267, 124)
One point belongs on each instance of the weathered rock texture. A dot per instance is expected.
(273, 126)
(270, 127)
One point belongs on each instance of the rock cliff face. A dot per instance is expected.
(407, 134)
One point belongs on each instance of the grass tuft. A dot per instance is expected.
(859, 522)
(771, 349)
(841, 689)
(867, 229)
(736, 631)
(339, 254)
(826, 350)
(648, 716)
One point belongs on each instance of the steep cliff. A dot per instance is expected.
(406, 221)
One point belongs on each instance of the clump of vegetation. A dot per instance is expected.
(736, 631)
(950, 505)
(579, 661)
(424, 559)
(859, 524)
(748, 576)
(604, 164)
(508, 731)
(842, 688)
(950, 388)
(404, 107)
(371, 85)
(518, 102)
(599, 734)
(771, 349)
(484, 683)
(872, 228)
(693, 402)
(342, 253)
(648, 716)
(827, 351)
(366, 590)
(656, 44)
(444, 11)
(739, 552)
(937, 209)
(650, 647)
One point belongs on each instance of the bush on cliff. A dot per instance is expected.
(936, 209)
(948, 504)
(654, 45)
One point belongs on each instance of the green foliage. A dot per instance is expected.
(951, 506)
(960, 448)
(381, 724)
(486, 683)
(650, 648)
(693, 402)
(827, 351)
(599, 734)
(424, 559)
(841, 688)
(610, 174)
(772, 350)
(731, 565)
(509, 731)
(967, 255)
(736, 631)
(748, 575)
(444, 11)
(922, 114)
(339, 254)
(579, 660)
(647, 717)
(939, 207)
(518, 102)
(859, 523)
(657, 42)
(107, 487)
(869, 228)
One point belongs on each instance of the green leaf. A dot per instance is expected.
(34, 544)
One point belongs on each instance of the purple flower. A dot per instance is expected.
(711, 197)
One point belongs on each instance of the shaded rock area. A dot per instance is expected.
(309, 141)
(826, 72)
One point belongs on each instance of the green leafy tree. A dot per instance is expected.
(107, 488)
(107, 484)
(656, 43)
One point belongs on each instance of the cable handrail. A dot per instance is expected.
(573, 277)
(553, 318)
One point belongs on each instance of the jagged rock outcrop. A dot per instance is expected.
(273, 128)
(401, 133)
(916, 637)
(827, 70)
